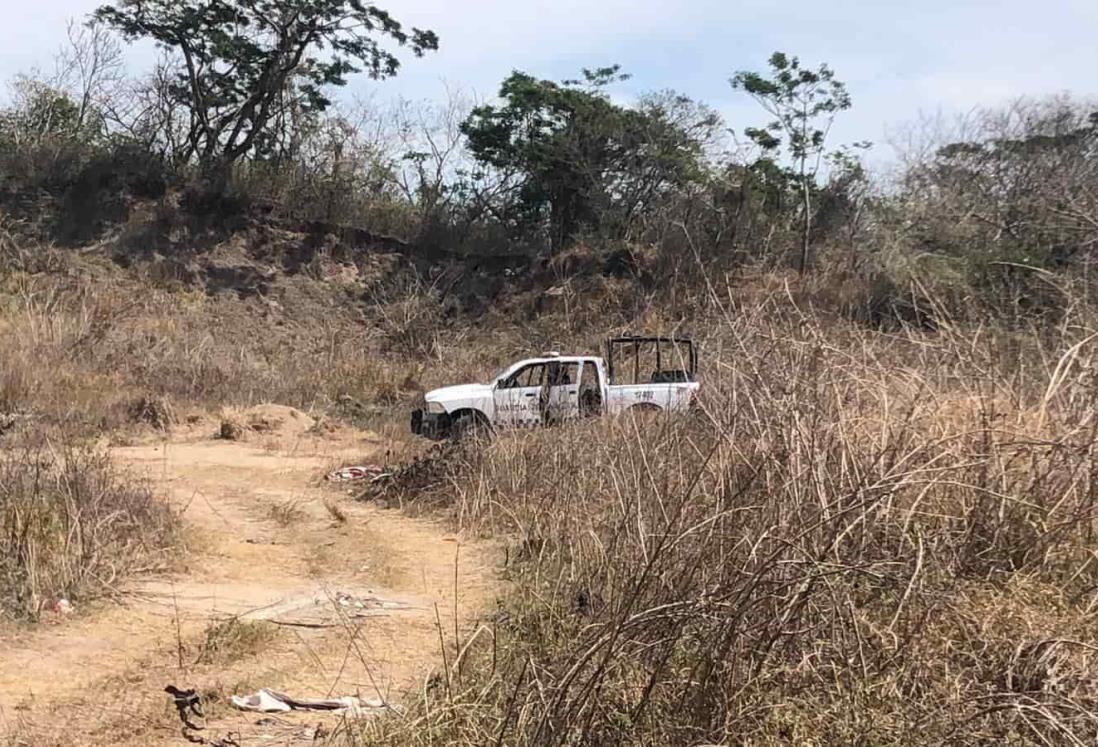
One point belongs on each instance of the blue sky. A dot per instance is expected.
(898, 58)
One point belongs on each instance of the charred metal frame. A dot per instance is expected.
(637, 340)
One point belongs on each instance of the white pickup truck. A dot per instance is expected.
(638, 374)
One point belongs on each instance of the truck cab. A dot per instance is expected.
(554, 388)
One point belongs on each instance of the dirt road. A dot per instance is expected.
(277, 590)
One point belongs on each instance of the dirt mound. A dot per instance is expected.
(414, 481)
(267, 420)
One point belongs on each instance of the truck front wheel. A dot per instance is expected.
(468, 425)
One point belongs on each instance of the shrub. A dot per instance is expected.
(869, 539)
(70, 526)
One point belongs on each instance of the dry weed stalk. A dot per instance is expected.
(70, 526)
(867, 538)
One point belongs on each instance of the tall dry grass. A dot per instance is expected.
(84, 342)
(71, 526)
(866, 538)
(81, 343)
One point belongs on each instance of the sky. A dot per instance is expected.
(900, 60)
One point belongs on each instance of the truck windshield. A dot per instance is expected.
(502, 372)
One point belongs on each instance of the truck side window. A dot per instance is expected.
(562, 374)
(526, 376)
(589, 378)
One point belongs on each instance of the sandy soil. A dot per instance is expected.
(341, 607)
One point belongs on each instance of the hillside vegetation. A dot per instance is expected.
(878, 529)
(867, 538)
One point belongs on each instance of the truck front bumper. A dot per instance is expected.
(430, 424)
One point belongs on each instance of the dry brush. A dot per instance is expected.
(866, 538)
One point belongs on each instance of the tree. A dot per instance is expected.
(586, 161)
(89, 68)
(433, 157)
(804, 103)
(69, 103)
(1014, 187)
(43, 113)
(242, 64)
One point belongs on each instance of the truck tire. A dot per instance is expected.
(467, 425)
(644, 413)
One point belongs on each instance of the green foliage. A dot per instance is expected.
(44, 113)
(46, 142)
(803, 103)
(584, 162)
(244, 64)
(1011, 202)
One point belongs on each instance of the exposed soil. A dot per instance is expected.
(342, 601)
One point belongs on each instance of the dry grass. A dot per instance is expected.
(229, 640)
(93, 346)
(867, 538)
(70, 527)
(287, 513)
(337, 514)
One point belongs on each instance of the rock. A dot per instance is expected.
(155, 411)
(231, 430)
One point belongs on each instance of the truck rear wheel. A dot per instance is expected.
(644, 413)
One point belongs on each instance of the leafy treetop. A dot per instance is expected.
(583, 158)
(238, 58)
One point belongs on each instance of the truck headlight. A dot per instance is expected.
(435, 407)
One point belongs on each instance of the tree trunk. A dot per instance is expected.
(214, 181)
(803, 266)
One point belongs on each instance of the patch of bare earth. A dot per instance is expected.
(287, 585)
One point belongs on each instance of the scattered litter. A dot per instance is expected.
(62, 607)
(186, 702)
(414, 479)
(271, 701)
(262, 702)
(343, 599)
(335, 611)
(357, 472)
(346, 600)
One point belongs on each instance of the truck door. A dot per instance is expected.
(562, 401)
(518, 397)
(590, 390)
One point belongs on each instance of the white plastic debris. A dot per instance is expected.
(271, 701)
(263, 701)
(357, 472)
